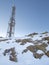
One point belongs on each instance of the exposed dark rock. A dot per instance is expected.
(41, 47)
(12, 53)
(37, 42)
(6, 51)
(48, 42)
(35, 48)
(7, 42)
(44, 32)
(1, 37)
(18, 40)
(32, 34)
(37, 55)
(3, 40)
(47, 53)
(41, 36)
(46, 38)
(24, 41)
(24, 51)
(32, 48)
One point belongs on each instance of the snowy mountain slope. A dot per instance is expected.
(32, 49)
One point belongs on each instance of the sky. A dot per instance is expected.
(31, 16)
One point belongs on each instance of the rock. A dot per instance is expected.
(12, 54)
(32, 48)
(24, 51)
(47, 53)
(37, 55)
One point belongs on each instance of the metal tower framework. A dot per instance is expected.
(11, 26)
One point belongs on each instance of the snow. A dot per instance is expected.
(25, 58)
(39, 51)
(37, 37)
(47, 48)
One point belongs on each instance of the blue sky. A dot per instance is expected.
(31, 16)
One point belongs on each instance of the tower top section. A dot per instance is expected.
(13, 12)
(13, 2)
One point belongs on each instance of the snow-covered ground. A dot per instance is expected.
(26, 58)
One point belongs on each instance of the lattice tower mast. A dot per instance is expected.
(11, 25)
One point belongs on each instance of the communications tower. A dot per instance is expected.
(11, 24)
